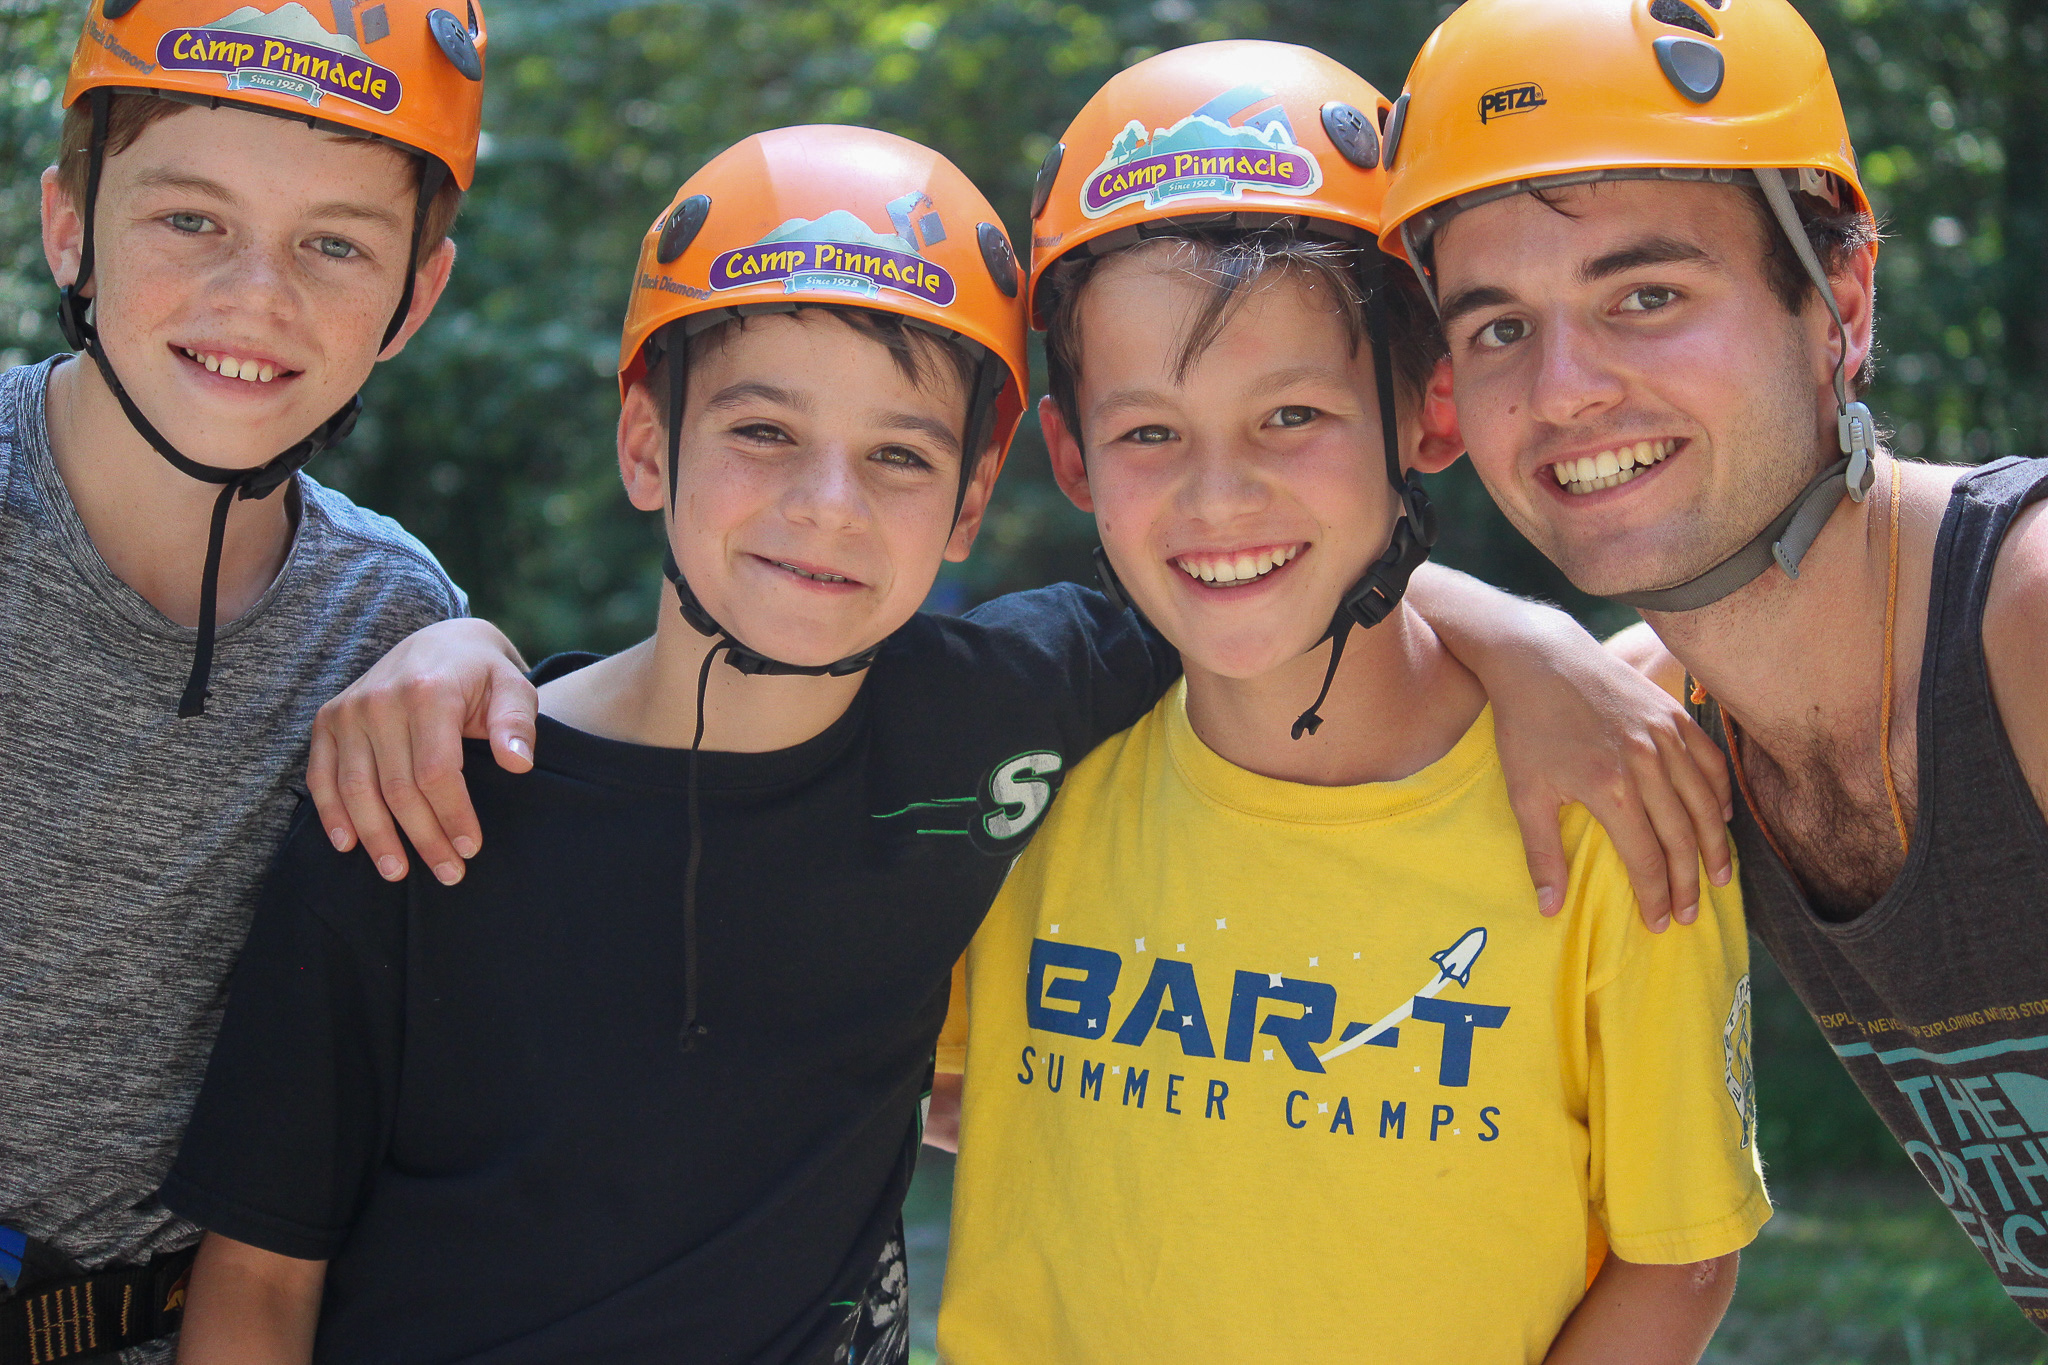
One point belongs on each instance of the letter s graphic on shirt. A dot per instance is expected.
(1015, 797)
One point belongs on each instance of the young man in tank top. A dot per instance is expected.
(1657, 331)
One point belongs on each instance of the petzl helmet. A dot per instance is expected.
(826, 216)
(401, 72)
(1240, 135)
(1509, 96)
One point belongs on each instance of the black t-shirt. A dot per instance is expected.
(472, 1099)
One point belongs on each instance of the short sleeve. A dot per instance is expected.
(1103, 666)
(1671, 1101)
(952, 1054)
(293, 1115)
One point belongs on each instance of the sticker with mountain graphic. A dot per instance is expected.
(840, 253)
(285, 51)
(1239, 141)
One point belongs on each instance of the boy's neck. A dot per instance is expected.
(648, 695)
(148, 521)
(1399, 703)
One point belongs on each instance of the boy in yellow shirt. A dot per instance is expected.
(1292, 1073)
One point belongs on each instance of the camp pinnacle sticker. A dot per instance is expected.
(1240, 141)
(285, 52)
(840, 253)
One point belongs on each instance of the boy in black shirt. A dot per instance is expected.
(646, 1086)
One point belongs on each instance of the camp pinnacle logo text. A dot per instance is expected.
(1503, 100)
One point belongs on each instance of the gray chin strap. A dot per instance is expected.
(1792, 532)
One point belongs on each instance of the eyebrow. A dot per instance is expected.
(164, 179)
(754, 391)
(1653, 251)
(1118, 400)
(941, 432)
(1292, 375)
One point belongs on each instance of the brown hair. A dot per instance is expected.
(130, 112)
(1229, 261)
(922, 356)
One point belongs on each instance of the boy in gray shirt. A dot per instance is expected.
(231, 269)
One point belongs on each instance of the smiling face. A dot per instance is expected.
(816, 482)
(1635, 396)
(1241, 495)
(246, 268)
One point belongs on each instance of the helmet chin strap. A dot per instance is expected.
(76, 316)
(1379, 590)
(1792, 532)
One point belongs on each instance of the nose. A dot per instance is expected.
(1575, 377)
(1221, 480)
(826, 490)
(259, 278)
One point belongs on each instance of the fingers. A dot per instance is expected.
(1706, 808)
(1635, 840)
(510, 711)
(435, 812)
(1712, 765)
(321, 773)
(361, 790)
(1536, 813)
(1680, 850)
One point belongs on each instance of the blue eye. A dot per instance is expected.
(189, 222)
(334, 248)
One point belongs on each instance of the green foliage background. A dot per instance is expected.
(491, 436)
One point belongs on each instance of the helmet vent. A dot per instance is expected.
(455, 43)
(1681, 15)
(1395, 123)
(997, 256)
(1352, 134)
(682, 227)
(1692, 66)
(1048, 171)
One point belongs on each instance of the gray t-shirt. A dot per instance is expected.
(132, 843)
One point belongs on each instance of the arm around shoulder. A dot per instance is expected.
(247, 1306)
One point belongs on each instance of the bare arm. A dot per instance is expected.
(1577, 724)
(1647, 1314)
(249, 1307)
(942, 1121)
(2016, 644)
(391, 745)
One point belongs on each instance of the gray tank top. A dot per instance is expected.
(1936, 997)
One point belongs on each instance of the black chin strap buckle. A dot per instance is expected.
(1379, 590)
(71, 317)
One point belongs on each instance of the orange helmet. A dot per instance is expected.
(1243, 127)
(403, 71)
(1510, 91)
(832, 215)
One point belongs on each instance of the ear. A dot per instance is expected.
(426, 292)
(643, 450)
(1855, 289)
(1440, 443)
(1069, 470)
(63, 230)
(975, 505)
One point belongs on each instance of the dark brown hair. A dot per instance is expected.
(1229, 261)
(130, 112)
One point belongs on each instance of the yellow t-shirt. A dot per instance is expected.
(1162, 1157)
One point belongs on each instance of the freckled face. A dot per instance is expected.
(816, 485)
(1241, 498)
(246, 268)
(1634, 395)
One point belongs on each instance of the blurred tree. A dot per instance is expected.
(490, 436)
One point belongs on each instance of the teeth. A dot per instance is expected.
(1610, 468)
(250, 371)
(814, 577)
(1238, 568)
(213, 363)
